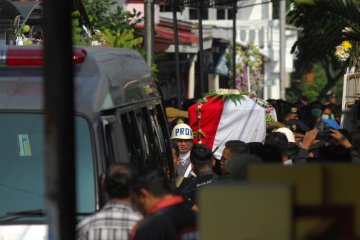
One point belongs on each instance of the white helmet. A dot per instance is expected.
(182, 131)
(288, 133)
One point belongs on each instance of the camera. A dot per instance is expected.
(323, 131)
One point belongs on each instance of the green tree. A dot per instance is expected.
(107, 15)
(78, 37)
(112, 25)
(323, 23)
(311, 91)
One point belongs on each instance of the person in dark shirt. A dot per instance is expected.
(167, 216)
(202, 159)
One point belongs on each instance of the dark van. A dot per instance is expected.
(119, 118)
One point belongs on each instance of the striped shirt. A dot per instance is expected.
(114, 221)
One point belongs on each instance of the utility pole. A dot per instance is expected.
(177, 64)
(59, 121)
(201, 46)
(282, 46)
(149, 28)
(234, 43)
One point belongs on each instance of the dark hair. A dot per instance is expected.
(238, 165)
(200, 154)
(304, 98)
(334, 153)
(279, 140)
(118, 180)
(188, 103)
(153, 180)
(330, 106)
(237, 146)
(255, 148)
(271, 154)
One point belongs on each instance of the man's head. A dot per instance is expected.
(291, 114)
(238, 165)
(117, 181)
(304, 100)
(328, 112)
(149, 186)
(182, 136)
(201, 157)
(231, 147)
(330, 98)
(298, 128)
(280, 141)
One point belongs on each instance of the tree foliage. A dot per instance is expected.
(111, 25)
(122, 39)
(107, 15)
(325, 25)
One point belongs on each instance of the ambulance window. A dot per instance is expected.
(155, 149)
(157, 131)
(115, 143)
(132, 138)
(144, 136)
(22, 163)
(162, 123)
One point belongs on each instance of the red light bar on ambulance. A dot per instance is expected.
(31, 56)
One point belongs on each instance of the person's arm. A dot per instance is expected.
(340, 138)
(343, 141)
(308, 141)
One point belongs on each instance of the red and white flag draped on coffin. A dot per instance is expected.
(220, 121)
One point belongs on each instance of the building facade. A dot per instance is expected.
(255, 24)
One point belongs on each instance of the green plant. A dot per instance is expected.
(311, 91)
(122, 39)
(228, 94)
(107, 15)
(78, 36)
(113, 26)
(325, 25)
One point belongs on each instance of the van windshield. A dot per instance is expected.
(22, 175)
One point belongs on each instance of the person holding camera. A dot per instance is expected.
(311, 142)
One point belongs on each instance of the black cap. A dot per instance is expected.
(297, 126)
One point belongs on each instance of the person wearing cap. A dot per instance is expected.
(182, 136)
(298, 128)
(291, 114)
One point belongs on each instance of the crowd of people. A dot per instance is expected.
(148, 205)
